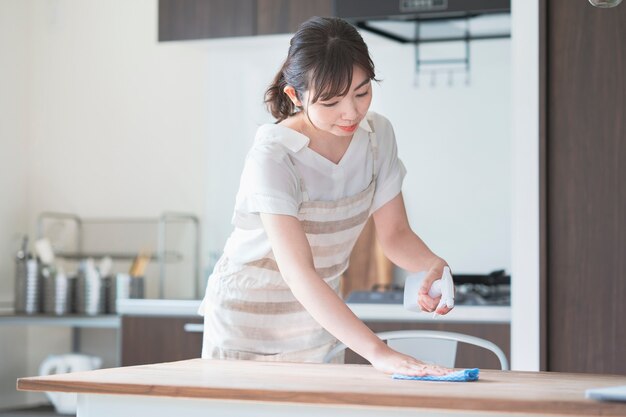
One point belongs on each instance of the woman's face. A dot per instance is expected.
(341, 115)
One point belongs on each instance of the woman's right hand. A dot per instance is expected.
(390, 361)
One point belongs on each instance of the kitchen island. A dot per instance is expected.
(201, 387)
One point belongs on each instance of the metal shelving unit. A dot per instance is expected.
(74, 321)
(161, 255)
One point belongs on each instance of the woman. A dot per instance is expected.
(309, 184)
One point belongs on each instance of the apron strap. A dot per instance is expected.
(373, 147)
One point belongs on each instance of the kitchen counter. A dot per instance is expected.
(366, 312)
(202, 387)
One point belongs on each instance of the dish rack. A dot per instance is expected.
(149, 233)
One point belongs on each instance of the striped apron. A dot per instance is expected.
(249, 310)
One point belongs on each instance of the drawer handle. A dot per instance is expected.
(193, 327)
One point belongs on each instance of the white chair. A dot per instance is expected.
(430, 346)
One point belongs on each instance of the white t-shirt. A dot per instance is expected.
(270, 183)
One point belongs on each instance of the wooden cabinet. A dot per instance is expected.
(583, 147)
(468, 356)
(150, 339)
(285, 16)
(203, 19)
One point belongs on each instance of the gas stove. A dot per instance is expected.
(493, 289)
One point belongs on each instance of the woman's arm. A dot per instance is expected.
(295, 261)
(405, 249)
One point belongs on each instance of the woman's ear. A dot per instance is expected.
(293, 96)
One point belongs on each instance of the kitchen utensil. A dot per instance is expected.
(65, 403)
(105, 265)
(140, 263)
(44, 251)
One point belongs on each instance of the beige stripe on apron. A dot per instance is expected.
(250, 312)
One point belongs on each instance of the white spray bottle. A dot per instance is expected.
(443, 287)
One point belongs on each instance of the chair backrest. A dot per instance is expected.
(430, 346)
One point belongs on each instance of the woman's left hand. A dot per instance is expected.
(425, 301)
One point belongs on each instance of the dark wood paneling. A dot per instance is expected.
(285, 16)
(201, 19)
(158, 339)
(586, 187)
(204, 19)
(468, 356)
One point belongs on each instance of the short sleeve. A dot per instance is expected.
(268, 185)
(390, 169)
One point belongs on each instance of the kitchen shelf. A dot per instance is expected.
(75, 322)
(108, 321)
(167, 257)
(136, 234)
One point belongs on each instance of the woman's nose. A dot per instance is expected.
(349, 111)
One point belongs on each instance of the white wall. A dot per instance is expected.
(13, 182)
(119, 120)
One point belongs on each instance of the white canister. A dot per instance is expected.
(65, 403)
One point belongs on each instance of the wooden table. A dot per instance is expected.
(204, 388)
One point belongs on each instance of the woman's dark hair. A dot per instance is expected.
(321, 57)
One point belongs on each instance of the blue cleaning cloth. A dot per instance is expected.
(464, 375)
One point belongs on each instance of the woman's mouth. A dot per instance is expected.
(350, 128)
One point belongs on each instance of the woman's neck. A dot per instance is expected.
(326, 144)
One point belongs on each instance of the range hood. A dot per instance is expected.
(376, 15)
(362, 10)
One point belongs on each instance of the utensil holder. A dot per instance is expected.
(122, 286)
(89, 292)
(27, 287)
(56, 292)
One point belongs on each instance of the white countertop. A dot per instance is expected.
(366, 312)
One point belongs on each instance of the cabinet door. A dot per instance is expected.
(468, 356)
(149, 339)
(204, 19)
(585, 183)
(201, 19)
(285, 16)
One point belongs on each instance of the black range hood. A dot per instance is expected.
(362, 10)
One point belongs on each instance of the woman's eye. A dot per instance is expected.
(329, 104)
(363, 94)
